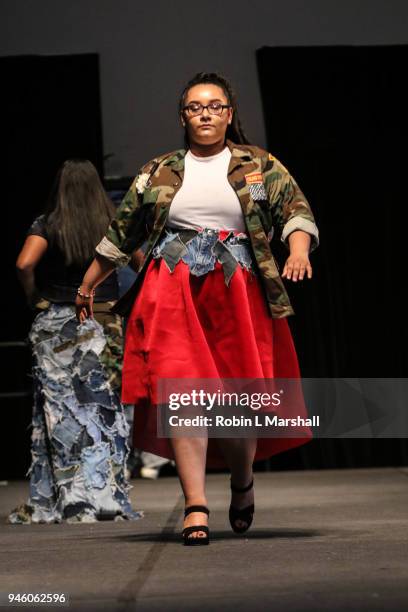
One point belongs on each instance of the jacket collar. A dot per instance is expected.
(176, 160)
(240, 155)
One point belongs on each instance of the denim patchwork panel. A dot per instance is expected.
(201, 252)
(200, 256)
(79, 431)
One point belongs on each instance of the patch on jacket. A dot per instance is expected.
(253, 177)
(256, 186)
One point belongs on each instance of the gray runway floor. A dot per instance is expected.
(321, 540)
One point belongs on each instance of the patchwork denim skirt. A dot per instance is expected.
(79, 430)
(201, 313)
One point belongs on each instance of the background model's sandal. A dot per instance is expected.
(199, 540)
(242, 514)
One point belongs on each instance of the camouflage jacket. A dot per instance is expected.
(269, 196)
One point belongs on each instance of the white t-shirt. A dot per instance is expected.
(206, 199)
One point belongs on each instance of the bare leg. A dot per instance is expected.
(190, 457)
(239, 454)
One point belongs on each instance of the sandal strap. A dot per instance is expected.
(188, 530)
(242, 512)
(243, 489)
(190, 509)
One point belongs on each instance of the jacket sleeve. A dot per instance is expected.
(129, 228)
(289, 206)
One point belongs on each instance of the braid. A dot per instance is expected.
(235, 131)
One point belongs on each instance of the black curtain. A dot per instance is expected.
(49, 111)
(336, 117)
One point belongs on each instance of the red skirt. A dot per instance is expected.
(186, 326)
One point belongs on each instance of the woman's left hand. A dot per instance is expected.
(297, 264)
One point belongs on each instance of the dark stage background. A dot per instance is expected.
(49, 111)
(335, 116)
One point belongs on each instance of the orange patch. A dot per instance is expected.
(254, 177)
(271, 157)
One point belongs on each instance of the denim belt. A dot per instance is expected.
(201, 249)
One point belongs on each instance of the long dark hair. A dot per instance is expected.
(78, 211)
(235, 131)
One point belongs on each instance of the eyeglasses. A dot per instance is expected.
(214, 108)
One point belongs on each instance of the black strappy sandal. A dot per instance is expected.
(198, 541)
(243, 514)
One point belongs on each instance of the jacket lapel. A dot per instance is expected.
(243, 163)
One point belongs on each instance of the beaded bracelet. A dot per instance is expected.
(85, 295)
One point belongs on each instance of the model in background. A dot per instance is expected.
(209, 302)
(79, 430)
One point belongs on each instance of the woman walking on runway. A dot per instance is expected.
(209, 301)
(79, 444)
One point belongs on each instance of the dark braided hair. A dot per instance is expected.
(235, 131)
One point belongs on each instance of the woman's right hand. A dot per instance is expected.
(99, 269)
(84, 308)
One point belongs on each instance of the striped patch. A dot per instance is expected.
(257, 191)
